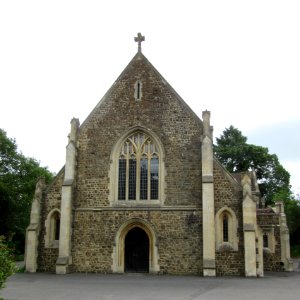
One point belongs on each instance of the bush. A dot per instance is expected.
(295, 251)
(7, 262)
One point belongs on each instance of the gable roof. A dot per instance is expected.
(235, 181)
(140, 58)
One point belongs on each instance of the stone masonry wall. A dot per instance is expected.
(178, 223)
(228, 193)
(161, 111)
(47, 256)
(178, 235)
(272, 261)
(164, 113)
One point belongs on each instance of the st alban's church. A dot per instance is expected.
(141, 191)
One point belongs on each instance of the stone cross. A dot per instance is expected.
(139, 39)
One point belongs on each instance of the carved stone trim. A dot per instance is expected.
(209, 264)
(249, 227)
(207, 179)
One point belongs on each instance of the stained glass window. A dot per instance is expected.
(154, 166)
(132, 179)
(122, 178)
(144, 178)
(138, 170)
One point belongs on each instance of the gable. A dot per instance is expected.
(227, 190)
(157, 98)
(160, 111)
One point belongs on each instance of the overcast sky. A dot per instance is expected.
(238, 59)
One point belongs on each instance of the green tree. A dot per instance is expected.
(233, 151)
(18, 176)
(292, 210)
(236, 155)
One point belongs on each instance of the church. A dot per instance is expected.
(141, 191)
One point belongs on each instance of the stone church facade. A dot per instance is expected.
(142, 192)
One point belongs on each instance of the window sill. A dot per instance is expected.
(225, 247)
(141, 203)
(267, 251)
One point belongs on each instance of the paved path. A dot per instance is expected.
(42, 286)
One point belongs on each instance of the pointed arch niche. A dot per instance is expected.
(137, 169)
(118, 255)
(52, 229)
(226, 230)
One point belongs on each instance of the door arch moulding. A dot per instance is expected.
(118, 254)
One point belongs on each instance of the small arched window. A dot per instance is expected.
(56, 225)
(138, 169)
(138, 90)
(52, 229)
(265, 240)
(225, 228)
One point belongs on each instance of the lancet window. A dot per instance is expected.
(138, 91)
(225, 228)
(265, 240)
(52, 229)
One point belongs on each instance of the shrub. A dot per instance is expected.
(295, 251)
(7, 262)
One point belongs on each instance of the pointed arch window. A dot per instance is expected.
(138, 90)
(265, 240)
(225, 228)
(52, 225)
(138, 169)
(56, 226)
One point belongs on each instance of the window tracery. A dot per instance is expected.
(138, 169)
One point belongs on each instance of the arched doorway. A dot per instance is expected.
(137, 251)
(118, 255)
